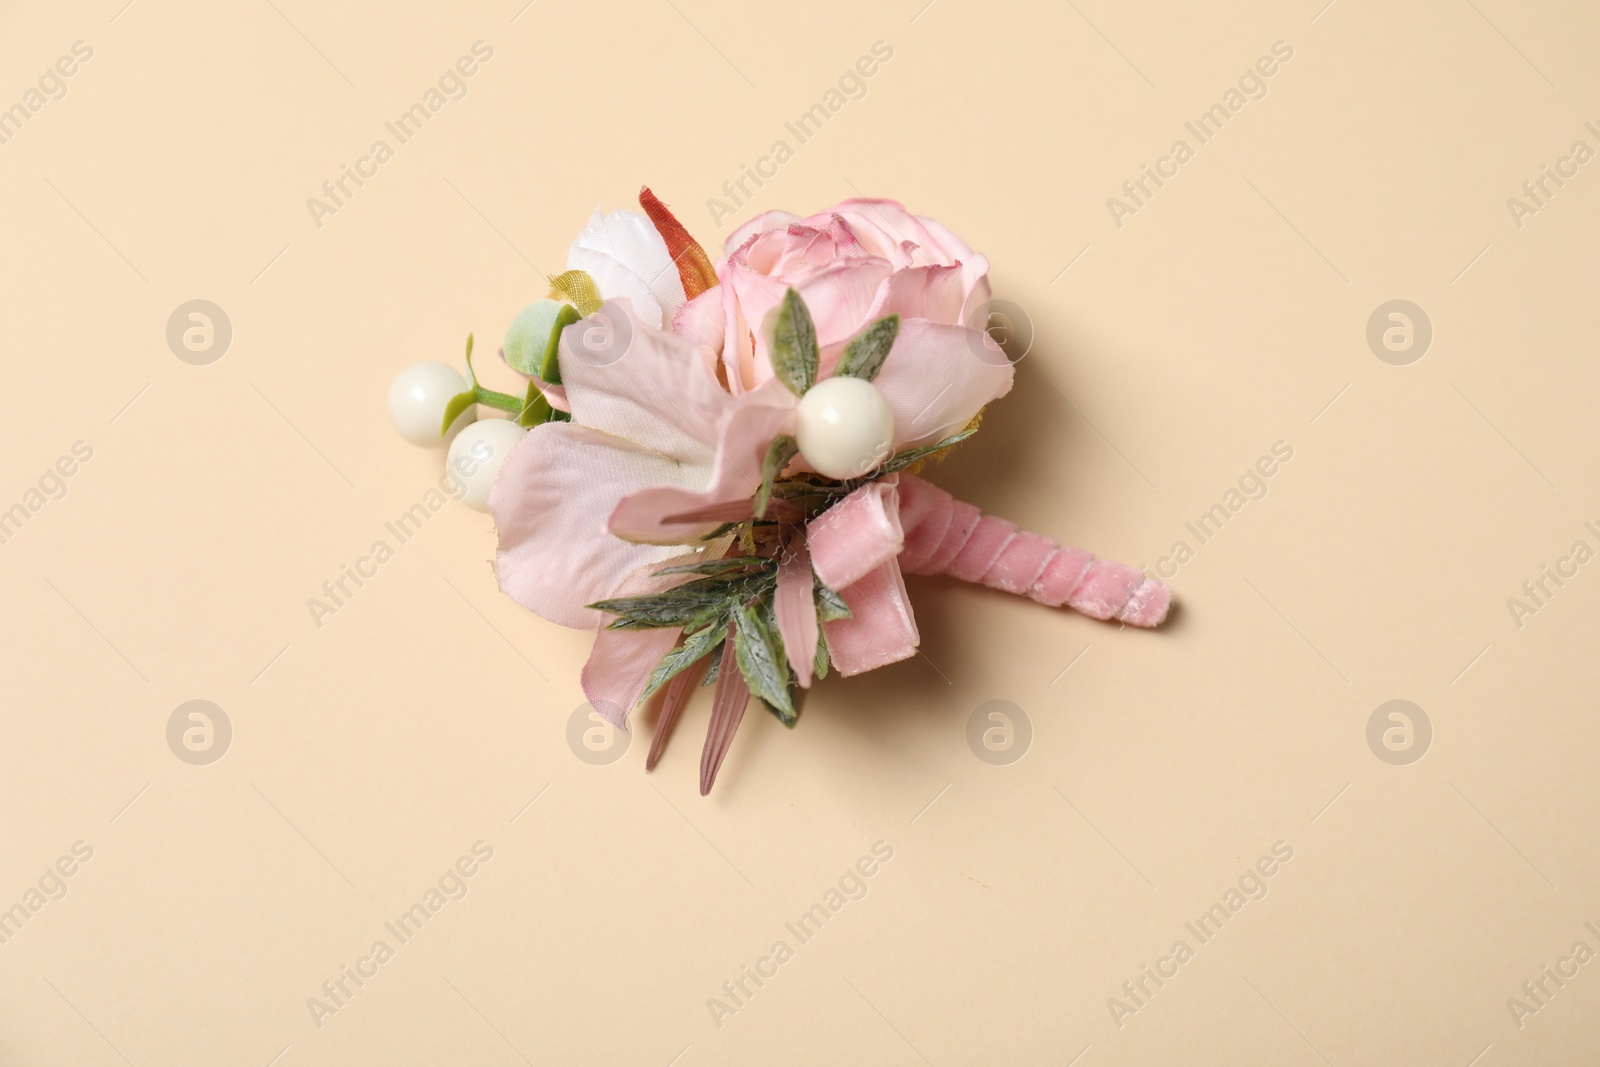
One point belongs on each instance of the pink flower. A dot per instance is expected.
(584, 506)
(852, 264)
(658, 432)
(668, 427)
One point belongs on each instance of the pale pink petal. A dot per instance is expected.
(728, 702)
(767, 220)
(634, 381)
(937, 293)
(621, 661)
(952, 247)
(887, 229)
(937, 377)
(550, 503)
(976, 293)
(806, 250)
(857, 535)
(619, 668)
(795, 608)
(556, 394)
(675, 699)
(651, 515)
(702, 323)
(738, 344)
(839, 298)
(880, 629)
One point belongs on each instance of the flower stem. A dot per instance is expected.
(503, 401)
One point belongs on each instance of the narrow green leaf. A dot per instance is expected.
(759, 651)
(690, 605)
(779, 452)
(794, 344)
(458, 403)
(830, 605)
(902, 460)
(695, 647)
(536, 408)
(718, 566)
(716, 665)
(550, 365)
(864, 355)
(673, 608)
(820, 668)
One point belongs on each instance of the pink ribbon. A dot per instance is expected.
(861, 546)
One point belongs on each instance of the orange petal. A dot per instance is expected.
(694, 266)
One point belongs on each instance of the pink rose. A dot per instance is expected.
(852, 264)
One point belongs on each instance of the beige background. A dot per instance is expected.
(1229, 313)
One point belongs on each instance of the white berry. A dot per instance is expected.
(845, 427)
(476, 455)
(417, 401)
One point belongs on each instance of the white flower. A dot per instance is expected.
(627, 259)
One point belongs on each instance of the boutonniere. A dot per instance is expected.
(715, 465)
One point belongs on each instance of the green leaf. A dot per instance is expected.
(695, 647)
(536, 408)
(902, 460)
(528, 336)
(820, 668)
(864, 355)
(716, 665)
(779, 452)
(691, 605)
(718, 566)
(550, 365)
(458, 403)
(794, 344)
(830, 605)
(759, 651)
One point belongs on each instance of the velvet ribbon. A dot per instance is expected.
(861, 547)
(902, 524)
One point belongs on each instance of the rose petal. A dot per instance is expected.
(937, 293)
(886, 228)
(795, 608)
(935, 380)
(767, 220)
(839, 298)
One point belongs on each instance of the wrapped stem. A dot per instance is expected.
(947, 536)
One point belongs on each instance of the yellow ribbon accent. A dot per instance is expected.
(578, 287)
